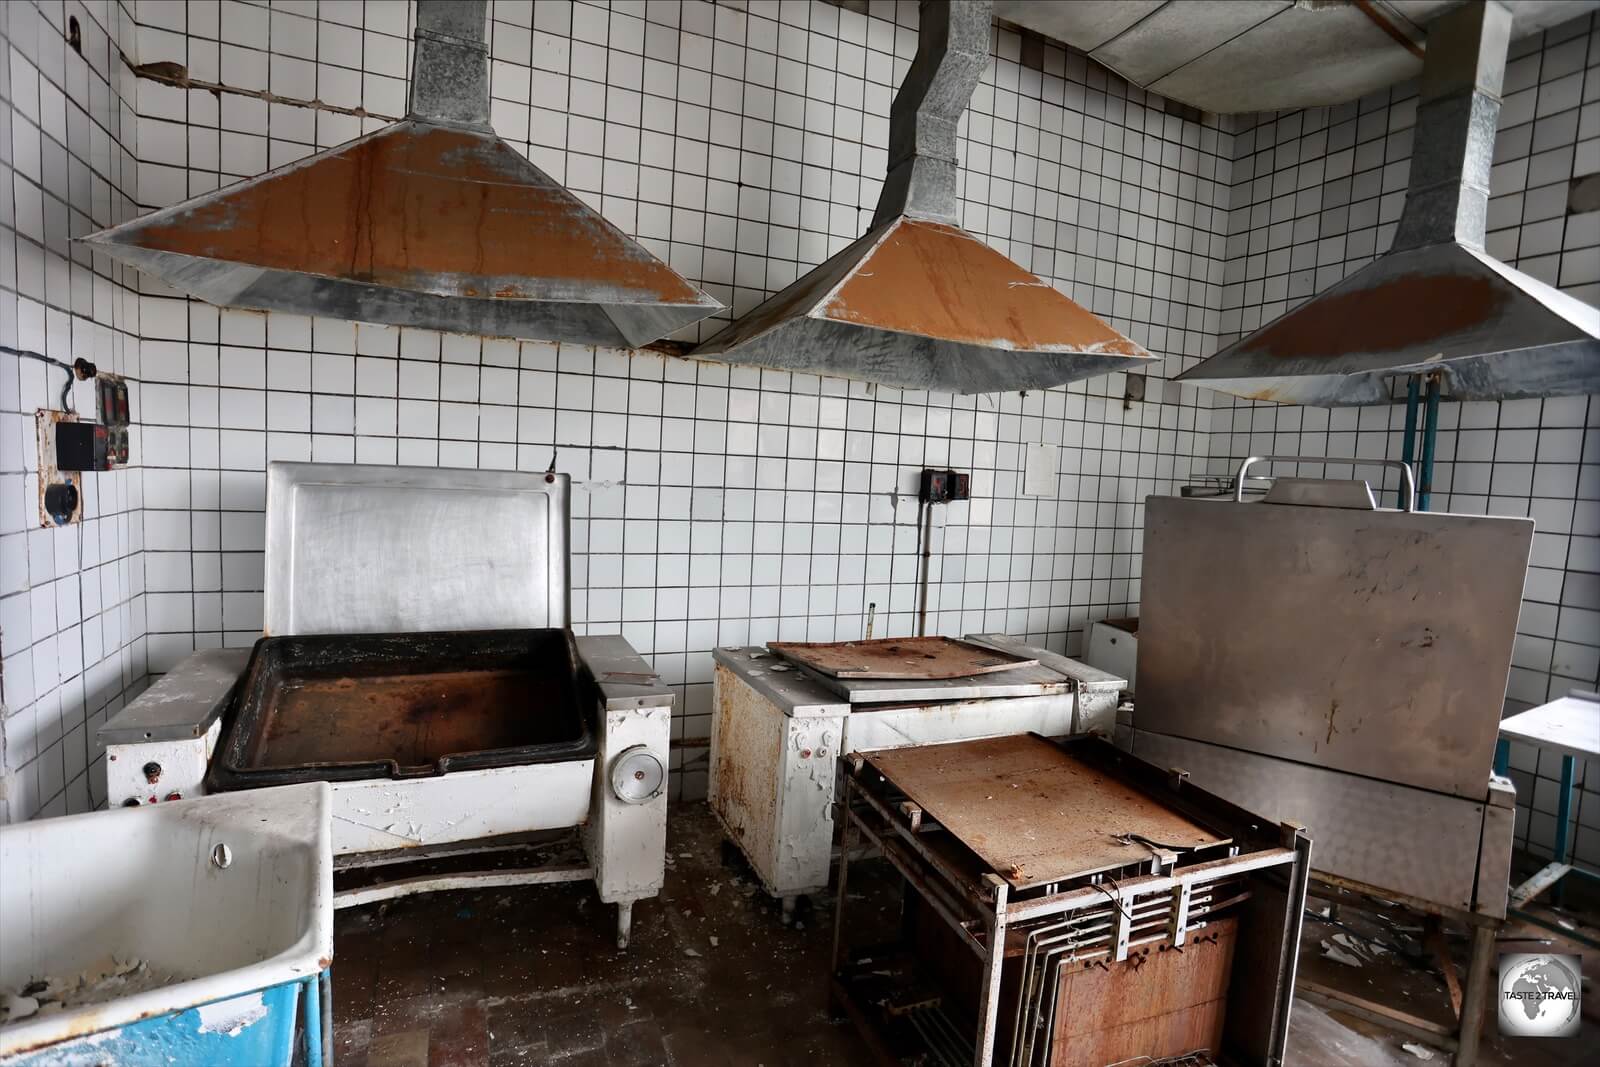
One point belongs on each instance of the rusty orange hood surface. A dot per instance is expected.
(1491, 332)
(922, 304)
(931, 278)
(416, 224)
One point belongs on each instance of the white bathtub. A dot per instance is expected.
(148, 884)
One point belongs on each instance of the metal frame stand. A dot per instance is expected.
(1468, 1002)
(548, 861)
(979, 908)
(1550, 876)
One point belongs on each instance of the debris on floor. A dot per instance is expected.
(1339, 955)
(499, 978)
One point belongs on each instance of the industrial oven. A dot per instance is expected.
(1318, 658)
(786, 712)
(1065, 904)
(418, 657)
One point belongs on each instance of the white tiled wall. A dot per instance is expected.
(71, 614)
(1316, 194)
(713, 504)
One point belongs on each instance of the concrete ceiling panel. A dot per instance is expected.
(1179, 34)
(1258, 55)
(1084, 24)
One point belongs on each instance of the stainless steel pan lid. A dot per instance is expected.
(352, 548)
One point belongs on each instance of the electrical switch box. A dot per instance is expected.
(60, 490)
(95, 446)
(941, 487)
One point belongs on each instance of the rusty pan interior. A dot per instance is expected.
(338, 707)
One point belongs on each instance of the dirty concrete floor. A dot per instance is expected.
(531, 976)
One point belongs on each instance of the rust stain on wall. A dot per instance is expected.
(421, 207)
(929, 278)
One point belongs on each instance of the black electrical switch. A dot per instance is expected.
(81, 446)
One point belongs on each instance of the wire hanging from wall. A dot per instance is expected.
(79, 369)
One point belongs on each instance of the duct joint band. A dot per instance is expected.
(952, 52)
(450, 68)
(1447, 198)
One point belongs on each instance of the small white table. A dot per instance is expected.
(1569, 726)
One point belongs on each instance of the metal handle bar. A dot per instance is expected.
(1410, 498)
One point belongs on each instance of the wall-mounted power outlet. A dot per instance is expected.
(60, 492)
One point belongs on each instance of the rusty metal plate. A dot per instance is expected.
(1161, 1005)
(908, 658)
(1032, 812)
(1033, 681)
(1374, 642)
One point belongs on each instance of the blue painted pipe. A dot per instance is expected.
(1408, 446)
(312, 1014)
(1430, 437)
(327, 1018)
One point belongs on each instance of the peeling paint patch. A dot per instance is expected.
(232, 1017)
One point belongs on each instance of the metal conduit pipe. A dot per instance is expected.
(1408, 446)
(1430, 437)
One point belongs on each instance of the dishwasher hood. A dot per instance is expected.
(1436, 302)
(918, 302)
(432, 221)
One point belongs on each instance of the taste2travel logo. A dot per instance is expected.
(1540, 995)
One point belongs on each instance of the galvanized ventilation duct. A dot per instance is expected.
(433, 222)
(1436, 302)
(917, 302)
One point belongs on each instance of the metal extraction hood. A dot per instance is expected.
(918, 302)
(432, 222)
(1436, 302)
